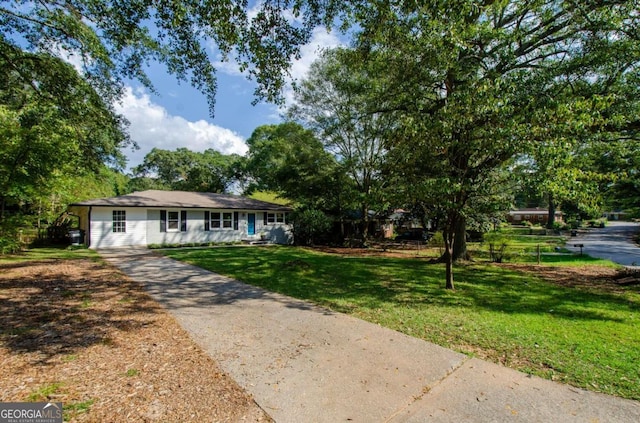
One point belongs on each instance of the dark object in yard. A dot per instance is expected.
(76, 236)
(474, 236)
(574, 232)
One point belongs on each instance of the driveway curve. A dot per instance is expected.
(303, 363)
(614, 242)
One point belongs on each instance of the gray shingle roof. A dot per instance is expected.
(183, 199)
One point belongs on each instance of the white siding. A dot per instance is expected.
(143, 228)
(101, 229)
(195, 232)
(277, 233)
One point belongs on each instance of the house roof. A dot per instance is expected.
(183, 199)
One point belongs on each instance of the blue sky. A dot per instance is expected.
(179, 115)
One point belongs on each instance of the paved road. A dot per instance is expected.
(303, 363)
(614, 242)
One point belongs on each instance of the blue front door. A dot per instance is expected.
(251, 227)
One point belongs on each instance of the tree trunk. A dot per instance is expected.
(458, 250)
(365, 223)
(449, 235)
(551, 217)
(449, 242)
(460, 246)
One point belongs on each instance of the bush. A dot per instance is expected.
(309, 226)
(11, 240)
(437, 241)
(574, 224)
(498, 244)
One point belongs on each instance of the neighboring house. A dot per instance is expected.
(179, 217)
(532, 215)
(615, 215)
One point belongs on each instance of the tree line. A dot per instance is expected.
(454, 109)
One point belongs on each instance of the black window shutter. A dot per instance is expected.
(264, 218)
(235, 221)
(183, 220)
(207, 218)
(163, 221)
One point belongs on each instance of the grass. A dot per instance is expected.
(523, 248)
(132, 372)
(44, 393)
(74, 409)
(70, 410)
(585, 337)
(50, 253)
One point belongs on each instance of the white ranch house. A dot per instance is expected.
(179, 217)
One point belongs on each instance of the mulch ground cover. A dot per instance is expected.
(81, 333)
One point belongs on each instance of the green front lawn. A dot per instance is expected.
(585, 337)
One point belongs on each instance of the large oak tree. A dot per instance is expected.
(473, 84)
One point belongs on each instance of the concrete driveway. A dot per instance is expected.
(613, 242)
(303, 363)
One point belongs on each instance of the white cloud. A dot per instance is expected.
(152, 126)
(321, 40)
(73, 57)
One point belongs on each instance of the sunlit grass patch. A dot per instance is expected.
(587, 337)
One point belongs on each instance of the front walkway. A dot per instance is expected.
(303, 363)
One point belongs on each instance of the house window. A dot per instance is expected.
(275, 218)
(221, 220)
(119, 221)
(173, 221)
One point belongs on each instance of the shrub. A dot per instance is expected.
(309, 226)
(498, 244)
(574, 224)
(437, 241)
(11, 240)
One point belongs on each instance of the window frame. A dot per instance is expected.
(220, 220)
(119, 221)
(276, 218)
(178, 221)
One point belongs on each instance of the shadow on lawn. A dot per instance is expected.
(510, 291)
(344, 283)
(60, 307)
(188, 287)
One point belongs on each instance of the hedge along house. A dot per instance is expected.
(179, 217)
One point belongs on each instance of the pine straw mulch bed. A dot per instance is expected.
(81, 333)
